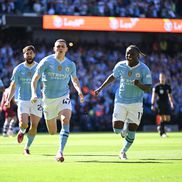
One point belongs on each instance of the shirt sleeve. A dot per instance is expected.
(15, 75)
(170, 90)
(40, 67)
(116, 72)
(156, 89)
(73, 70)
(147, 77)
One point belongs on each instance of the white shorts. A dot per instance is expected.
(30, 108)
(52, 107)
(130, 112)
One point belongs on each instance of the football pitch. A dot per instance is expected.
(93, 157)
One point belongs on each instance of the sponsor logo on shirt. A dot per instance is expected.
(67, 69)
(138, 75)
(59, 68)
(148, 76)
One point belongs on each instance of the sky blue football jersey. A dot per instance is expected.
(22, 76)
(1, 83)
(128, 93)
(56, 76)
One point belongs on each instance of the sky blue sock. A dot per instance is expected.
(117, 131)
(128, 141)
(29, 141)
(64, 133)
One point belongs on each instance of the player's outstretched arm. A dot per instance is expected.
(34, 81)
(76, 85)
(109, 80)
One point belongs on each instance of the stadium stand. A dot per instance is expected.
(118, 8)
(163, 54)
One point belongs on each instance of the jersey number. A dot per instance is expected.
(66, 101)
(39, 107)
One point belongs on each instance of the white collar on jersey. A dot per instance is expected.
(133, 66)
(59, 60)
(30, 67)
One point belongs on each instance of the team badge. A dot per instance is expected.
(59, 68)
(138, 75)
(129, 73)
(67, 69)
(29, 74)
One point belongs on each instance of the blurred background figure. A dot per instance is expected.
(10, 115)
(1, 88)
(162, 96)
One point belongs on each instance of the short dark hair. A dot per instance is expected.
(137, 49)
(61, 40)
(28, 48)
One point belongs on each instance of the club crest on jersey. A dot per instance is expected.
(138, 75)
(67, 69)
(59, 68)
(129, 73)
(29, 74)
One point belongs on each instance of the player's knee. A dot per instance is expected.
(23, 125)
(66, 121)
(117, 130)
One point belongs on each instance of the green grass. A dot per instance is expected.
(93, 157)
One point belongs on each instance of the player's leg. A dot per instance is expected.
(23, 125)
(51, 110)
(12, 125)
(163, 110)
(134, 115)
(35, 115)
(51, 126)
(164, 118)
(129, 139)
(6, 126)
(125, 129)
(65, 116)
(23, 117)
(162, 126)
(119, 116)
(31, 133)
(65, 111)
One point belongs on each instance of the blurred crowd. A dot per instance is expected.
(94, 63)
(119, 8)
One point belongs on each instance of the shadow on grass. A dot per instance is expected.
(84, 155)
(151, 160)
(90, 155)
(129, 162)
(162, 159)
(48, 155)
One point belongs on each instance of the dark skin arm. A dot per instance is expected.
(144, 87)
(109, 80)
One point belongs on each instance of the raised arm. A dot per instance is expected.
(76, 85)
(109, 80)
(34, 81)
